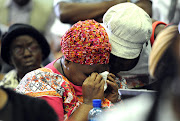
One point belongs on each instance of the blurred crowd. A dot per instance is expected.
(53, 54)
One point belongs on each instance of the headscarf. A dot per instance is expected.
(86, 42)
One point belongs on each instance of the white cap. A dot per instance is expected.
(128, 27)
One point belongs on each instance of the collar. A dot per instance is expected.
(28, 6)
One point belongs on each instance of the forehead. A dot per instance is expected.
(91, 68)
(23, 39)
(122, 64)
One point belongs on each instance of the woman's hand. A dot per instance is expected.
(93, 88)
(111, 92)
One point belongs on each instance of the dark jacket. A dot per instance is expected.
(26, 108)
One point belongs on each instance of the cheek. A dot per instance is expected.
(38, 57)
(16, 62)
(115, 66)
(78, 78)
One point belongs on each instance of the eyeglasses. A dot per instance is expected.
(19, 50)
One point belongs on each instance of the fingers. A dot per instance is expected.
(113, 85)
(86, 80)
(94, 80)
(111, 77)
(100, 85)
(92, 77)
(93, 88)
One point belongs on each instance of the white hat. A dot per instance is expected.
(128, 27)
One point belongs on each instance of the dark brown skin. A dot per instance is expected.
(159, 28)
(146, 5)
(92, 85)
(74, 12)
(25, 54)
(111, 91)
(118, 64)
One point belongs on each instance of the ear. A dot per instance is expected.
(65, 63)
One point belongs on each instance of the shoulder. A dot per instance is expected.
(31, 108)
(10, 79)
(41, 82)
(11, 73)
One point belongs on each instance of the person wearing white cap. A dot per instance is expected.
(129, 29)
(164, 67)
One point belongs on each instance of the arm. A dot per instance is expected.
(57, 105)
(111, 92)
(146, 5)
(92, 88)
(73, 12)
(157, 26)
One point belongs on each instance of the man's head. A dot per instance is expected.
(24, 47)
(21, 2)
(86, 49)
(128, 27)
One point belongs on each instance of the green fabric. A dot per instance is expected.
(40, 13)
(3, 13)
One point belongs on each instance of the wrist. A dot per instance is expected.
(88, 105)
(87, 102)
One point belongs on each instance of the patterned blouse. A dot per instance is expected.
(47, 83)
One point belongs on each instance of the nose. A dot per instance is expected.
(27, 52)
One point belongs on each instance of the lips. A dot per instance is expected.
(29, 62)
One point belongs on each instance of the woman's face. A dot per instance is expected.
(77, 73)
(25, 53)
(118, 64)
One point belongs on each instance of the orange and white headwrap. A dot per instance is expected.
(161, 44)
(86, 42)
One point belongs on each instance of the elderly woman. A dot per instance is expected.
(70, 83)
(24, 48)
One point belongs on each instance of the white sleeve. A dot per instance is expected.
(56, 6)
(57, 1)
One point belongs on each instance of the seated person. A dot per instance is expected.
(70, 83)
(164, 68)
(24, 48)
(129, 28)
(17, 107)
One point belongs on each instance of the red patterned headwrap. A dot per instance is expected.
(86, 42)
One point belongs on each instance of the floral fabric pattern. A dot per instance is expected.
(44, 82)
(86, 42)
